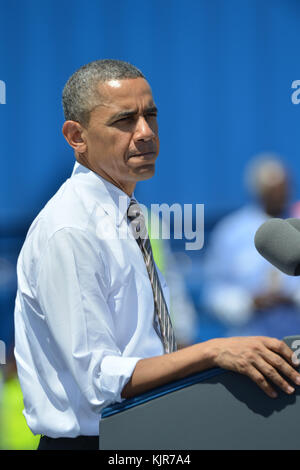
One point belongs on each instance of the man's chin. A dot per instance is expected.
(145, 172)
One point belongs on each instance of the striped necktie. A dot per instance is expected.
(165, 329)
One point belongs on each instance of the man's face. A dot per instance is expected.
(122, 135)
(274, 198)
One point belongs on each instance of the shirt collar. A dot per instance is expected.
(111, 198)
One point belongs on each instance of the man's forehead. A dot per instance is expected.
(125, 93)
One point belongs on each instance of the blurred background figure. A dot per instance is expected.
(247, 294)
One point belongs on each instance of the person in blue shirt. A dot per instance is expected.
(245, 292)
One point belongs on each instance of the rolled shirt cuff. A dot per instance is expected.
(115, 372)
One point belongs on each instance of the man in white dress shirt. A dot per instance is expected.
(84, 308)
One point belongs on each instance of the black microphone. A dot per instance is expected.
(278, 241)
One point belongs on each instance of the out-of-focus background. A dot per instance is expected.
(222, 73)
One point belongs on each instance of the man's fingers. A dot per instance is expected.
(278, 363)
(281, 348)
(260, 380)
(271, 374)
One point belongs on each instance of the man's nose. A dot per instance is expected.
(143, 130)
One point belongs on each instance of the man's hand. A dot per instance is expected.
(262, 359)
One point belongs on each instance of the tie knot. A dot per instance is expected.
(133, 210)
(137, 220)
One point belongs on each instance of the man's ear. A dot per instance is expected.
(73, 133)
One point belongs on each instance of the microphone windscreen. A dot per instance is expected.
(294, 222)
(278, 241)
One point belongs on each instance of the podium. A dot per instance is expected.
(213, 410)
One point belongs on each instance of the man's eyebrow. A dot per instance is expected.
(131, 112)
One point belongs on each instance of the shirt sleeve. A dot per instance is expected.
(72, 289)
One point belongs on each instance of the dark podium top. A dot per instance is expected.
(215, 409)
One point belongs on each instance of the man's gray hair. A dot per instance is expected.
(80, 94)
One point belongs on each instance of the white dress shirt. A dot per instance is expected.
(84, 307)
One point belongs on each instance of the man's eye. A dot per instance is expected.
(151, 116)
(133, 118)
(128, 118)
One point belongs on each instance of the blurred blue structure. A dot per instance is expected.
(221, 73)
